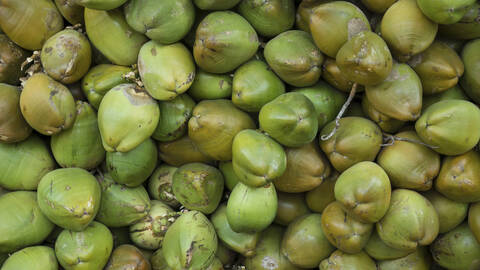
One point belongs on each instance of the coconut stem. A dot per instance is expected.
(77, 27)
(341, 112)
(134, 77)
(31, 65)
(390, 140)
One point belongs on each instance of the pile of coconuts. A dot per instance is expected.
(239, 134)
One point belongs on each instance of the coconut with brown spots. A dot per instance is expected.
(121, 206)
(81, 145)
(47, 105)
(198, 186)
(127, 117)
(190, 243)
(29, 23)
(66, 56)
(149, 232)
(166, 70)
(69, 197)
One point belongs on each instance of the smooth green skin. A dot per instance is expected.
(219, 119)
(210, 86)
(321, 196)
(365, 59)
(459, 179)
(294, 58)
(121, 206)
(132, 168)
(100, 79)
(257, 159)
(327, 101)
(166, 70)
(378, 6)
(445, 11)
(243, 243)
(268, 254)
(47, 105)
(198, 186)
(224, 40)
(474, 219)
(450, 213)
(339, 260)
(439, 67)
(453, 93)
(307, 167)
(72, 12)
(180, 152)
(332, 24)
(163, 21)
(411, 221)
(269, 18)
(12, 57)
(467, 28)
(304, 242)
(17, 17)
(66, 56)
(100, 4)
(36, 257)
(457, 249)
(357, 139)
(386, 123)
(418, 260)
(378, 250)
(290, 207)
(81, 145)
(23, 224)
(231, 179)
(291, 119)
(251, 209)
(190, 243)
(128, 256)
(112, 36)
(174, 116)
(126, 118)
(70, 198)
(216, 4)
(471, 59)
(399, 96)
(24, 163)
(410, 165)
(343, 231)
(254, 85)
(160, 185)
(158, 261)
(149, 232)
(436, 124)
(407, 30)
(84, 250)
